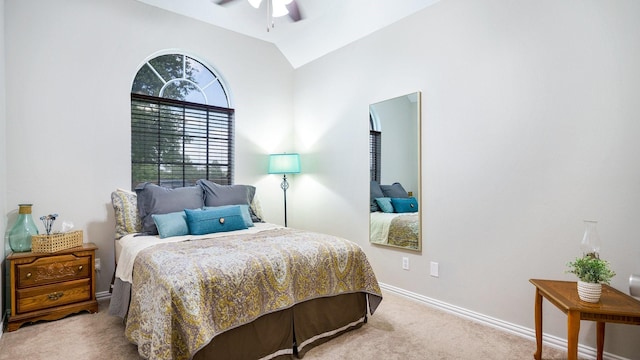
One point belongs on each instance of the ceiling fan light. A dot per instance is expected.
(255, 3)
(279, 9)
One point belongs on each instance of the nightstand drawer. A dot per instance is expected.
(44, 297)
(53, 269)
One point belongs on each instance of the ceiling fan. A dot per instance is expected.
(275, 8)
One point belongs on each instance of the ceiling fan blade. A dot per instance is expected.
(294, 11)
(223, 2)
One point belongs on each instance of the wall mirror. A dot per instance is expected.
(394, 162)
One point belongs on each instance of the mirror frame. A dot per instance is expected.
(419, 197)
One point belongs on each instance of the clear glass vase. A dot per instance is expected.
(591, 240)
(22, 230)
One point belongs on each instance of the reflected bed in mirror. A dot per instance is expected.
(394, 164)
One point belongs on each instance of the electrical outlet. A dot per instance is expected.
(98, 266)
(434, 269)
(405, 263)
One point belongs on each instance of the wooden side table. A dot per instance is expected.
(614, 306)
(49, 286)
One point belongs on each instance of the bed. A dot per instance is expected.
(394, 216)
(259, 292)
(395, 229)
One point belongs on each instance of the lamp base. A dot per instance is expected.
(285, 185)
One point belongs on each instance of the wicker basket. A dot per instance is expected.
(56, 242)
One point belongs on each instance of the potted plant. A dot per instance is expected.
(592, 272)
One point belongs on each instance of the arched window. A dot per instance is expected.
(181, 124)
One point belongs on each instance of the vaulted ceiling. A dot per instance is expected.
(326, 25)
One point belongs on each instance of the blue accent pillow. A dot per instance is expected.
(385, 204)
(244, 209)
(172, 224)
(405, 205)
(209, 221)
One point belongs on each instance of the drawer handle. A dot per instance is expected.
(56, 295)
(28, 275)
(80, 268)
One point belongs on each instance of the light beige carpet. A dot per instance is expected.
(400, 329)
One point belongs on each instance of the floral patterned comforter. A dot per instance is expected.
(184, 294)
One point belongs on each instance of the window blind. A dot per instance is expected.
(375, 148)
(174, 143)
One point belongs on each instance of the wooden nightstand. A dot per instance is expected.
(49, 286)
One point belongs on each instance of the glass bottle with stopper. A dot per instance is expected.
(590, 244)
(21, 232)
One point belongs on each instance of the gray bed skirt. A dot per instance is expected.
(120, 297)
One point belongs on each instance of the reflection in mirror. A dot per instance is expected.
(394, 163)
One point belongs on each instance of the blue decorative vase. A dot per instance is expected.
(22, 230)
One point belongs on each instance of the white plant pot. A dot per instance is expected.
(589, 292)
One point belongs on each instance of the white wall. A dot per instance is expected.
(3, 155)
(530, 126)
(70, 65)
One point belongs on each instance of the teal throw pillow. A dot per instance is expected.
(385, 204)
(172, 224)
(214, 220)
(405, 205)
(244, 209)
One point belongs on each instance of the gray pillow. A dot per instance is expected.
(220, 195)
(154, 199)
(394, 190)
(375, 192)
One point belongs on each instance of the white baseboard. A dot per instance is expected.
(549, 340)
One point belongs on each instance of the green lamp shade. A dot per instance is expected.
(284, 164)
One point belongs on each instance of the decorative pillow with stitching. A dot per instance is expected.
(125, 206)
(255, 209)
